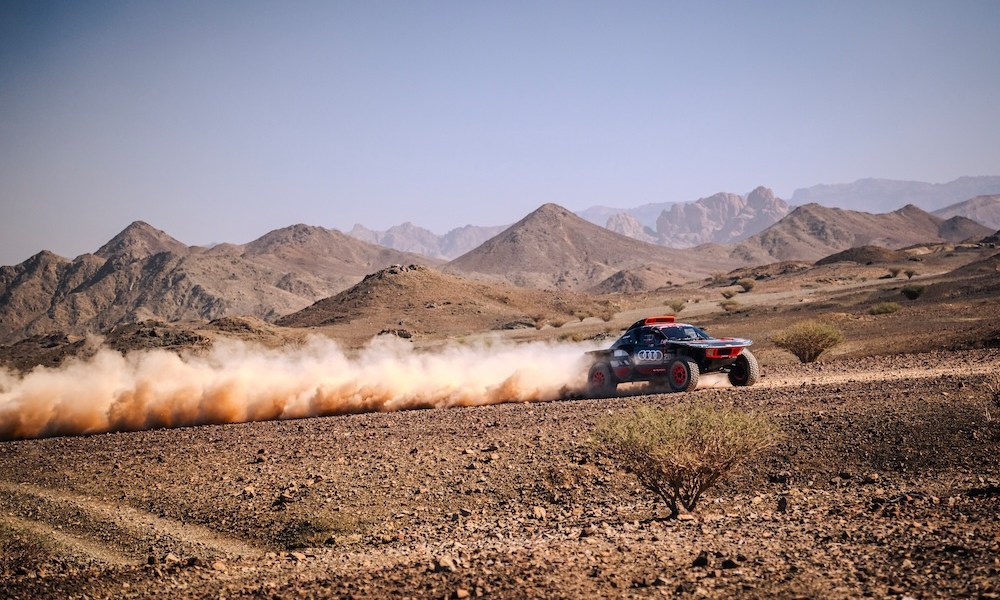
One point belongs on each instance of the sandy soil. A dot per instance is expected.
(886, 484)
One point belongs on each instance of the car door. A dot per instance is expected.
(648, 355)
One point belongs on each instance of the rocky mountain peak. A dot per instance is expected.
(137, 241)
(626, 224)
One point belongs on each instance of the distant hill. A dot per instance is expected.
(864, 255)
(882, 195)
(645, 214)
(413, 299)
(411, 238)
(142, 273)
(981, 209)
(629, 226)
(554, 248)
(812, 232)
(722, 218)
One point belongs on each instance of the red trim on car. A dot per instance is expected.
(660, 319)
(722, 352)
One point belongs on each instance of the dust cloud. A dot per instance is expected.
(238, 382)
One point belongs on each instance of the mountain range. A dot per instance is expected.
(812, 231)
(144, 273)
(723, 218)
(411, 238)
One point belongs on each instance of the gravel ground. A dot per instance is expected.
(886, 483)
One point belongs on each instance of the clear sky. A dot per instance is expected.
(219, 121)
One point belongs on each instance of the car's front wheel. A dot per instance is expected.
(601, 382)
(745, 371)
(683, 374)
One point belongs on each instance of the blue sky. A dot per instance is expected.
(219, 121)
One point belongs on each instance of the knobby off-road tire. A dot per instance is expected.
(683, 374)
(601, 382)
(745, 371)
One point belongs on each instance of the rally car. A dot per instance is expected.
(669, 355)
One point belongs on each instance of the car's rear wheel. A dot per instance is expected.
(745, 371)
(683, 374)
(601, 382)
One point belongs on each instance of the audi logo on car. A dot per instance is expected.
(649, 355)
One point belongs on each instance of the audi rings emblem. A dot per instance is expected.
(649, 355)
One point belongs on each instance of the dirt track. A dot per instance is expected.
(888, 475)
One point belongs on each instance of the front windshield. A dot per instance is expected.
(684, 332)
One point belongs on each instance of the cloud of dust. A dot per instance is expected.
(237, 382)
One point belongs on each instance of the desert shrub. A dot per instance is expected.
(729, 305)
(676, 305)
(912, 291)
(884, 308)
(746, 283)
(679, 452)
(895, 271)
(727, 294)
(909, 273)
(807, 340)
(719, 278)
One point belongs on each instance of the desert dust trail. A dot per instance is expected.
(238, 382)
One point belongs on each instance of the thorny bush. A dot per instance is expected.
(679, 452)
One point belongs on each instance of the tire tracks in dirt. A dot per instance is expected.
(115, 534)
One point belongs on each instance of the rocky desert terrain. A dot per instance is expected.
(885, 481)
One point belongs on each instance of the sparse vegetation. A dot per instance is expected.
(681, 451)
(746, 283)
(909, 273)
(895, 271)
(807, 340)
(720, 278)
(729, 305)
(884, 308)
(727, 294)
(677, 305)
(912, 291)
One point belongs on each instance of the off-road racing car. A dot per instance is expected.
(669, 355)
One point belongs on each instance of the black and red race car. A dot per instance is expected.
(669, 355)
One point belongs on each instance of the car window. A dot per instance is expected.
(625, 340)
(684, 332)
(649, 337)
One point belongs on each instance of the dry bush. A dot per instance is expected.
(895, 271)
(719, 278)
(912, 291)
(729, 305)
(746, 283)
(679, 452)
(884, 308)
(676, 305)
(727, 294)
(807, 340)
(909, 273)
